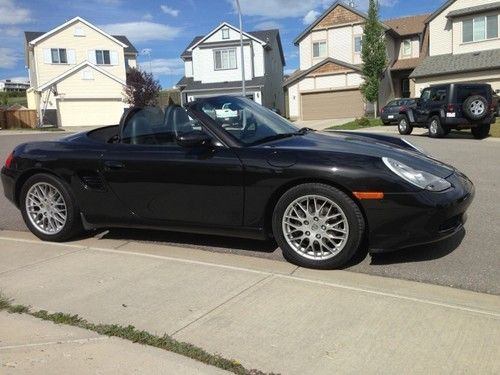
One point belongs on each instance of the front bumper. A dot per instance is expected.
(9, 183)
(412, 219)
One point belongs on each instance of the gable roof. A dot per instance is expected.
(474, 9)
(71, 21)
(439, 10)
(325, 13)
(409, 25)
(32, 35)
(460, 63)
(298, 74)
(261, 35)
(76, 68)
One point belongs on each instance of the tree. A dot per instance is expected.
(373, 53)
(142, 89)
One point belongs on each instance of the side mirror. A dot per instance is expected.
(497, 91)
(196, 138)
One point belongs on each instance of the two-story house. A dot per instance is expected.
(464, 44)
(213, 66)
(77, 74)
(327, 84)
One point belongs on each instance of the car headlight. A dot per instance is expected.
(421, 179)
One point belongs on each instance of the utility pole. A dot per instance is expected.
(243, 88)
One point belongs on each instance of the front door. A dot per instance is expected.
(159, 180)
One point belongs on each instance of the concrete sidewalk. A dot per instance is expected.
(268, 315)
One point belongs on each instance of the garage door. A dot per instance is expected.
(81, 112)
(332, 104)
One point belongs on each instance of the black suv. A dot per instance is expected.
(441, 108)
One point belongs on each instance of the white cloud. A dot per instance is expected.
(8, 58)
(142, 31)
(310, 17)
(169, 10)
(12, 14)
(11, 31)
(22, 79)
(147, 17)
(267, 25)
(164, 67)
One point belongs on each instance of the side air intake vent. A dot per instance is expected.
(92, 181)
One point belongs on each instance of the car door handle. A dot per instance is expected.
(111, 164)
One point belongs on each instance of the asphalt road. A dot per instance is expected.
(469, 260)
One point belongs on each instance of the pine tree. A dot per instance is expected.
(373, 53)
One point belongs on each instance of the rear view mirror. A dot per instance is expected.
(194, 138)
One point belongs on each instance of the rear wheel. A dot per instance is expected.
(318, 226)
(404, 126)
(49, 209)
(436, 130)
(481, 132)
(475, 107)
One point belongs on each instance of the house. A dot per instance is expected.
(77, 74)
(13, 86)
(464, 44)
(213, 66)
(327, 84)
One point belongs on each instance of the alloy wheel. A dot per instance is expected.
(403, 125)
(477, 107)
(46, 208)
(315, 227)
(433, 127)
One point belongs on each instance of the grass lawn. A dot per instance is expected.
(495, 129)
(359, 123)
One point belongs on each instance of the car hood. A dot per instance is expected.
(369, 145)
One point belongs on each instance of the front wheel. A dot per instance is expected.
(436, 129)
(481, 132)
(404, 126)
(318, 226)
(49, 209)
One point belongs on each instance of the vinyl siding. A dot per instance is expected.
(441, 28)
(100, 86)
(492, 77)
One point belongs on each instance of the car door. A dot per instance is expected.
(157, 179)
(422, 108)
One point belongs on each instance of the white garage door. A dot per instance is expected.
(332, 104)
(81, 112)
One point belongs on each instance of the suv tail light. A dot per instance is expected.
(403, 108)
(382, 110)
(493, 107)
(451, 108)
(8, 161)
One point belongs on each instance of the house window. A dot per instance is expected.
(319, 49)
(225, 33)
(225, 59)
(480, 28)
(358, 44)
(102, 57)
(59, 55)
(406, 47)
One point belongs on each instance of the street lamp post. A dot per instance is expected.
(243, 88)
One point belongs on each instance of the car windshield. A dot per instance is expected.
(244, 120)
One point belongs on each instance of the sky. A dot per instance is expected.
(165, 27)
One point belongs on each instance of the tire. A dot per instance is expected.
(475, 107)
(404, 126)
(56, 222)
(481, 132)
(343, 220)
(436, 130)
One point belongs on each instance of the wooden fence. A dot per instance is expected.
(18, 118)
(168, 97)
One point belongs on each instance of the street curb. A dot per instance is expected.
(402, 290)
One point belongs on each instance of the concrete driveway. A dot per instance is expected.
(322, 124)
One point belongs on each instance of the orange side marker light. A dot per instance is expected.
(369, 195)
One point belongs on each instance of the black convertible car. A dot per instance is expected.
(251, 174)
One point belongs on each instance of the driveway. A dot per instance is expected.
(322, 124)
(469, 260)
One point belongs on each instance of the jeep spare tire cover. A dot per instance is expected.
(475, 107)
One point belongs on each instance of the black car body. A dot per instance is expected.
(389, 114)
(204, 179)
(451, 106)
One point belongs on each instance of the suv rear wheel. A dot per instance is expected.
(436, 129)
(475, 107)
(481, 131)
(404, 126)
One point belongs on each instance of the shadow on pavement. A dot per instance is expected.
(420, 253)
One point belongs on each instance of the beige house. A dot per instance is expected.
(464, 44)
(327, 85)
(77, 74)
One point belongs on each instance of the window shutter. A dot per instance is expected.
(47, 56)
(113, 56)
(70, 54)
(92, 56)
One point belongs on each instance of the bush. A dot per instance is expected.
(363, 121)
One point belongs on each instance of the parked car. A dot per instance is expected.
(320, 195)
(390, 112)
(451, 106)
(226, 112)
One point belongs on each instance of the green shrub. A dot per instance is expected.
(363, 121)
